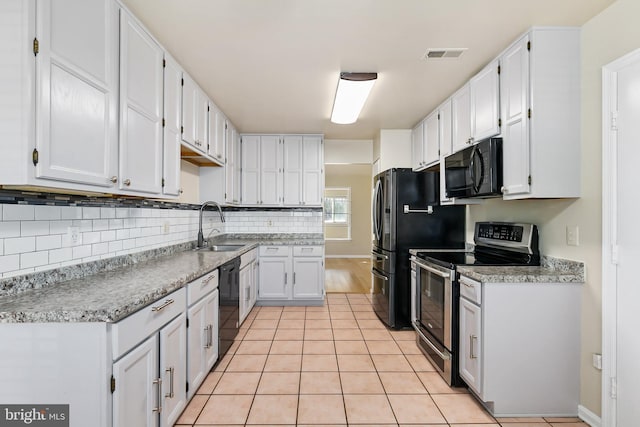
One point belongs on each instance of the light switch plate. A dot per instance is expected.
(573, 236)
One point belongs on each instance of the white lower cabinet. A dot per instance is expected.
(518, 346)
(202, 340)
(289, 274)
(248, 283)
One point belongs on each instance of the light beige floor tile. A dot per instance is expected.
(520, 420)
(279, 383)
(391, 363)
(363, 307)
(402, 383)
(376, 335)
(336, 297)
(364, 315)
(318, 334)
(343, 324)
(322, 425)
(351, 347)
(318, 347)
(291, 324)
(563, 424)
(320, 383)
(409, 347)
(241, 334)
(342, 307)
(420, 363)
(361, 383)
(294, 308)
(193, 409)
(371, 324)
(321, 315)
(347, 334)
(259, 335)
(319, 363)
(247, 363)
(293, 315)
(461, 408)
(321, 408)
(562, 419)
(321, 309)
(289, 334)
(209, 383)
(234, 346)
(283, 363)
(317, 324)
(271, 309)
(355, 363)
(269, 409)
(254, 347)
(225, 409)
(223, 363)
(383, 347)
(525, 424)
(435, 384)
(368, 409)
(341, 315)
(238, 383)
(404, 335)
(286, 347)
(268, 315)
(470, 425)
(415, 408)
(265, 324)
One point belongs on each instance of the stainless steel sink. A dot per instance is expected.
(220, 248)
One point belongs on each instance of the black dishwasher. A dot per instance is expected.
(229, 291)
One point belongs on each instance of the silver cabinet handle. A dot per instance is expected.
(285, 277)
(158, 382)
(206, 337)
(294, 278)
(127, 182)
(162, 306)
(206, 281)
(472, 354)
(170, 370)
(114, 179)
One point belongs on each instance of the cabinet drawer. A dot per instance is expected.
(248, 257)
(133, 329)
(202, 286)
(308, 250)
(471, 289)
(274, 251)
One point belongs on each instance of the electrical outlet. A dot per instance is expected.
(269, 223)
(73, 234)
(573, 235)
(165, 227)
(597, 361)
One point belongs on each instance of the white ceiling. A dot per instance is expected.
(273, 65)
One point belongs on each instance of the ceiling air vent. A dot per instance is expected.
(444, 53)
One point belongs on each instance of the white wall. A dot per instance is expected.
(348, 151)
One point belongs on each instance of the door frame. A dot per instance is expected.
(609, 233)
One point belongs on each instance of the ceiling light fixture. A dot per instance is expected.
(353, 90)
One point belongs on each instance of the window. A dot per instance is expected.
(337, 213)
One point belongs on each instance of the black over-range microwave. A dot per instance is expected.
(475, 171)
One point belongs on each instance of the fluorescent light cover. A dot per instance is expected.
(353, 90)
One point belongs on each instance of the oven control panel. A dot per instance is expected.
(518, 237)
(510, 232)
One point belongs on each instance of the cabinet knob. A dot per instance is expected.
(127, 182)
(503, 189)
(181, 191)
(114, 179)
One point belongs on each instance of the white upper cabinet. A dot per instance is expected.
(484, 96)
(171, 131)
(195, 109)
(217, 133)
(460, 119)
(141, 92)
(417, 146)
(292, 165)
(76, 92)
(444, 112)
(232, 165)
(540, 100)
(312, 170)
(431, 151)
(250, 169)
(270, 170)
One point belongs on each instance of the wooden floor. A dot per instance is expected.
(348, 275)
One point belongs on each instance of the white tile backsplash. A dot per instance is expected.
(35, 238)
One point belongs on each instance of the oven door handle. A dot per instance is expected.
(378, 255)
(443, 356)
(380, 276)
(431, 269)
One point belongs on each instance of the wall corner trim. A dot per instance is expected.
(589, 417)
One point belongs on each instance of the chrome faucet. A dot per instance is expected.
(201, 243)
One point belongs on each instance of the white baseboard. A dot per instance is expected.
(589, 417)
(347, 256)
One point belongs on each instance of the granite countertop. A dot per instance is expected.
(551, 270)
(112, 294)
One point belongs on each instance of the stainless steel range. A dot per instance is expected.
(435, 288)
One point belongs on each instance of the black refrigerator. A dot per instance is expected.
(406, 213)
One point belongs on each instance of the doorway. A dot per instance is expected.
(620, 237)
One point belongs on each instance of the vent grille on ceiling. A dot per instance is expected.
(444, 53)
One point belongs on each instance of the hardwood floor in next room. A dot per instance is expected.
(347, 275)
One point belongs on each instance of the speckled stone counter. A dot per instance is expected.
(108, 296)
(551, 270)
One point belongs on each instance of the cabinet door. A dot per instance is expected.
(253, 296)
(194, 111)
(171, 130)
(173, 370)
(431, 139)
(270, 170)
(230, 165)
(76, 91)
(237, 172)
(217, 133)
(308, 278)
(514, 79)
(141, 88)
(250, 169)
(460, 119)
(471, 344)
(274, 278)
(417, 146)
(197, 340)
(445, 128)
(292, 165)
(135, 399)
(312, 170)
(212, 317)
(484, 92)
